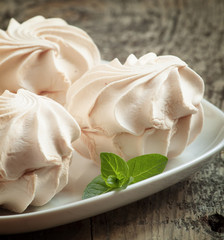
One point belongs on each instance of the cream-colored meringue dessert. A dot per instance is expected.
(35, 149)
(147, 105)
(44, 56)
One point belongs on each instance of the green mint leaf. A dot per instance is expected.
(126, 183)
(96, 187)
(112, 181)
(146, 166)
(113, 165)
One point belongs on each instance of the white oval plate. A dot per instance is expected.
(68, 207)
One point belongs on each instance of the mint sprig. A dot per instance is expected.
(117, 174)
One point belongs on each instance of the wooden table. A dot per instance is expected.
(192, 30)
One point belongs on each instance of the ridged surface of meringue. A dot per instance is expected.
(147, 105)
(44, 56)
(35, 149)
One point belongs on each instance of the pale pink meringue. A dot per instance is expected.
(44, 56)
(148, 105)
(35, 145)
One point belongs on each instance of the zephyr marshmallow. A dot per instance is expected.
(146, 105)
(44, 56)
(35, 145)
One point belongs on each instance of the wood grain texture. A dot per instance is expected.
(190, 29)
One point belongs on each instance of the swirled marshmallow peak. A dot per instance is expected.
(146, 105)
(44, 56)
(35, 149)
